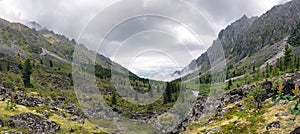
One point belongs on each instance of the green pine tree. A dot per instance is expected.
(165, 98)
(247, 78)
(253, 68)
(27, 71)
(288, 58)
(279, 64)
(7, 66)
(268, 70)
(229, 84)
(169, 92)
(257, 95)
(275, 71)
(258, 74)
(51, 63)
(114, 99)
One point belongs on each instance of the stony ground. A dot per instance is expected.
(238, 114)
(43, 119)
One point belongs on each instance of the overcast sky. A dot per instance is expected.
(148, 46)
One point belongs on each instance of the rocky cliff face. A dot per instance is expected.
(248, 37)
(234, 32)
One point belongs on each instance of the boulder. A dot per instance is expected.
(239, 104)
(288, 87)
(275, 124)
(283, 102)
(237, 91)
(77, 119)
(28, 100)
(33, 123)
(1, 123)
(3, 91)
(283, 114)
(43, 113)
(73, 109)
(268, 86)
(60, 113)
(296, 131)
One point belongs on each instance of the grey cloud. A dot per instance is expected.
(223, 12)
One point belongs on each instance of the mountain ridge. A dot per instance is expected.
(246, 37)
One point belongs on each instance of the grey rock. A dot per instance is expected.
(73, 109)
(211, 131)
(292, 123)
(77, 119)
(288, 86)
(33, 123)
(283, 102)
(296, 131)
(28, 100)
(60, 113)
(243, 108)
(283, 114)
(46, 114)
(1, 123)
(275, 124)
(239, 104)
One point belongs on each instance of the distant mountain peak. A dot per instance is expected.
(244, 16)
(36, 26)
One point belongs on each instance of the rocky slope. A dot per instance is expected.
(236, 113)
(248, 38)
(38, 41)
(49, 105)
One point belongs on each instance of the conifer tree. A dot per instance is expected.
(169, 92)
(51, 63)
(268, 70)
(114, 99)
(297, 63)
(7, 66)
(258, 74)
(27, 71)
(288, 58)
(229, 84)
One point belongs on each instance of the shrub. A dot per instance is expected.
(257, 94)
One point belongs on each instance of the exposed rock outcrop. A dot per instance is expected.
(27, 100)
(33, 123)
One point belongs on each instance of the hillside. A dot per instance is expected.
(36, 82)
(250, 42)
(256, 51)
(260, 94)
